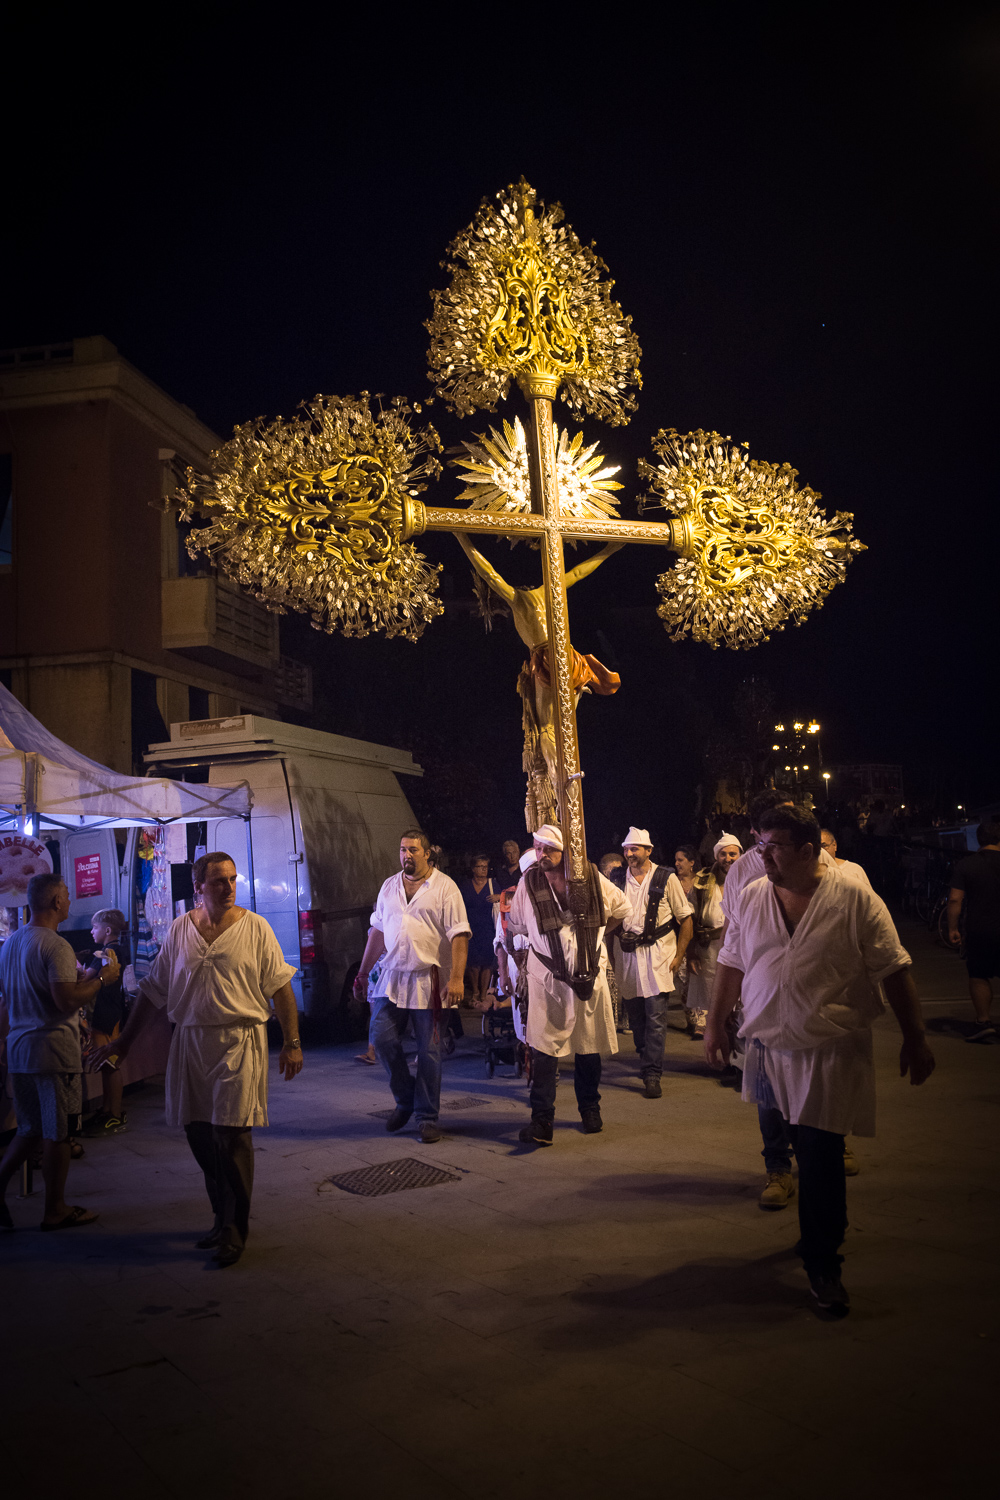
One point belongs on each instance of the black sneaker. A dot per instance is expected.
(537, 1132)
(985, 1033)
(831, 1295)
(398, 1119)
(590, 1121)
(652, 1087)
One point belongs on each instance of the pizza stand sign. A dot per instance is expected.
(20, 858)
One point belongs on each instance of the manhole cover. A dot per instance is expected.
(392, 1177)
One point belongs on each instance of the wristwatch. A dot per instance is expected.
(293, 1042)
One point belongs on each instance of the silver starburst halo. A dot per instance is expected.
(757, 549)
(498, 478)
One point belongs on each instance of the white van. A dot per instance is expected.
(323, 835)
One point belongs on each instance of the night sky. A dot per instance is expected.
(798, 205)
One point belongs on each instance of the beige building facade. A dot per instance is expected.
(109, 632)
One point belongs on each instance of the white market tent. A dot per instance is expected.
(54, 786)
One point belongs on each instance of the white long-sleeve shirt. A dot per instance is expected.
(417, 936)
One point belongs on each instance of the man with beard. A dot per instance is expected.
(420, 925)
(649, 950)
(569, 1006)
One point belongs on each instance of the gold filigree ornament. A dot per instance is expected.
(528, 302)
(755, 549)
(309, 514)
(498, 475)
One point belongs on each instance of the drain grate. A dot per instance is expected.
(392, 1177)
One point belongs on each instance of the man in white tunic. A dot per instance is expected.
(420, 926)
(649, 948)
(215, 973)
(809, 948)
(779, 1185)
(569, 1004)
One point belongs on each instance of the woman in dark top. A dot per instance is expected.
(108, 928)
(478, 895)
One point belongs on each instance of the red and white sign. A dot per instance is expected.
(88, 875)
(20, 858)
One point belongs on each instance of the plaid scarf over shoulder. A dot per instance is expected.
(550, 915)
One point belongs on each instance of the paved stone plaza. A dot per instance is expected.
(611, 1316)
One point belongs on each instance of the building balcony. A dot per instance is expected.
(212, 620)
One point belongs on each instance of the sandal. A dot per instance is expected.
(73, 1219)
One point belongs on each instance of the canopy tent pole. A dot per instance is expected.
(253, 890)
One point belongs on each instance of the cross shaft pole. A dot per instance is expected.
(553, 529)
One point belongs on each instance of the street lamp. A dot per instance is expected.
(826, 776)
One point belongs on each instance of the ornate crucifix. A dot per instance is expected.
(318, 513)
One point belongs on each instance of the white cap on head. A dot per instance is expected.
(527, 860)
(549, 834)
(638, 836)
(727, 841)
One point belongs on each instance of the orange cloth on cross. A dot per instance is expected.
(588, 672)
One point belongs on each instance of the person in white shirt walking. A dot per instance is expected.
(779, 1184)
(420, 926)
(649, 948)
(809, 949)
(215, 973)
(569, 1004)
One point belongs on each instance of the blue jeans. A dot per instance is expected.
(422, 1095)
(647, 1016)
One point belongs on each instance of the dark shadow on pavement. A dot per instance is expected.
(726, 1291)
(667, 1185)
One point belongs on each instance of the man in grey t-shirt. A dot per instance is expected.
(43, 996)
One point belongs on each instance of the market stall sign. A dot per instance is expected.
(20, 858)
(88, 875)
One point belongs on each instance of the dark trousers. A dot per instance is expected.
(777, 1152)
(544, 1074)
(647, 1016)
(225, 1155)
(822, 1198)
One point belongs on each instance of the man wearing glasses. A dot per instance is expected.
(809, 949)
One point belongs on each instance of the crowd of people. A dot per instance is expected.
(780, 952)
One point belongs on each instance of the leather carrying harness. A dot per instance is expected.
(650, 933)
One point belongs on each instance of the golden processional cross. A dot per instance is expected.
(318, 513)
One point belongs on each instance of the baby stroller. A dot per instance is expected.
(502, 1046)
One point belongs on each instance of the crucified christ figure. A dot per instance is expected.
(535, 684)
